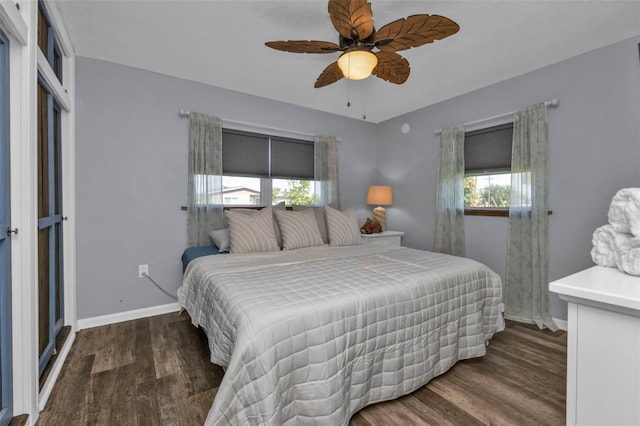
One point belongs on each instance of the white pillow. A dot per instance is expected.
(343, 227)
(251, 233)
(299, 229)
(220, 239)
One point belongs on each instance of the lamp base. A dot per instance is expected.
(381, 216)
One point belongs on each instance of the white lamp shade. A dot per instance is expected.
(357, 64)
(380, 195)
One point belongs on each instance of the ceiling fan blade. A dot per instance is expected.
(391, 67)
(304, 46)
(414, 31)
(353, 19)
(331, 74)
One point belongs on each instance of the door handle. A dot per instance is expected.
(14, 231)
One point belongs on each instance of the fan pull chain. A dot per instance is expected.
(364, 105)
(348, 93)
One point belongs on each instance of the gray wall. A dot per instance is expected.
(131, 165)
(594, 151)
(131, 155)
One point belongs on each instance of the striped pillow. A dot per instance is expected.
(320, 218)
(274, 208)
(251, 233)
(343, 227)
(299, 229)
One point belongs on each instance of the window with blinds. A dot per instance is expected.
(262, 170)
(487, 159)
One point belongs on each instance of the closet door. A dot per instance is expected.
(50, 273)
(6, 233)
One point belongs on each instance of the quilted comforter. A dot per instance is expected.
(311, 336)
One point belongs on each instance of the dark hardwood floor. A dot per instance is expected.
(156, 371)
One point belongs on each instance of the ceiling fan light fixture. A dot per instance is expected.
(357, 64)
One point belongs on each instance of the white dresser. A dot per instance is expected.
(603, 347)
(393, 238)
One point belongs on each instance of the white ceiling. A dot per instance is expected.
(221, 43)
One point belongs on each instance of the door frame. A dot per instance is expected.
(25, 61)
(6, 367)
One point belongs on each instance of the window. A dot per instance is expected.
(49, 208)
(47, 42)
(487, 181)
(261, 170)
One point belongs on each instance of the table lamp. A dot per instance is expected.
(379, 196)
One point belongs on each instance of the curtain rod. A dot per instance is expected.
(552, 103)
(243, 125)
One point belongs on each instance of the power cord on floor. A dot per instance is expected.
(144, 274)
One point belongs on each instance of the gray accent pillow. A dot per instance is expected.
(343, 227)
(220, 239)
(251, 233)
(299, 229)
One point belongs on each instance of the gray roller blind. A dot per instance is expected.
(291, 159)
(488, 150)
(245, 154)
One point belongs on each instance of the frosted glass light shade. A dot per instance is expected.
(357, 64)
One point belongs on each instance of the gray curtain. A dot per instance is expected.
(325, 155)
(205, 213)
(449, 235)
(527, 289)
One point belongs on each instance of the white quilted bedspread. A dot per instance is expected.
(311, 336)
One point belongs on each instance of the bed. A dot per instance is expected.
(311, 336)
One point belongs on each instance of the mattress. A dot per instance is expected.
(311, 336)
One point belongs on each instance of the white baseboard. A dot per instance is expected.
(561, 324)
(127, 316)
(43, 397)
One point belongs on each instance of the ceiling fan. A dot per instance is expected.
(358, 38)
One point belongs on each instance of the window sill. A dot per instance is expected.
(498, 212)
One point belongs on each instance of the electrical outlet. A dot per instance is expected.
(142, 270)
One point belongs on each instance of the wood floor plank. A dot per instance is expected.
(165, 355)
(200, 373)
(520, 398)
(200, 404)
(536, 356)
(111, 385)
(447, 412)
(116, 349)
(156, 371)
(147, 409)
(359, 420)
(393, 413)
(512, 370)
(71, 405)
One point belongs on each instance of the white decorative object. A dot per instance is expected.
(624, 211)
(603, 347)
(617, 244)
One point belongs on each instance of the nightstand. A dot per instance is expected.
(391, 238)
